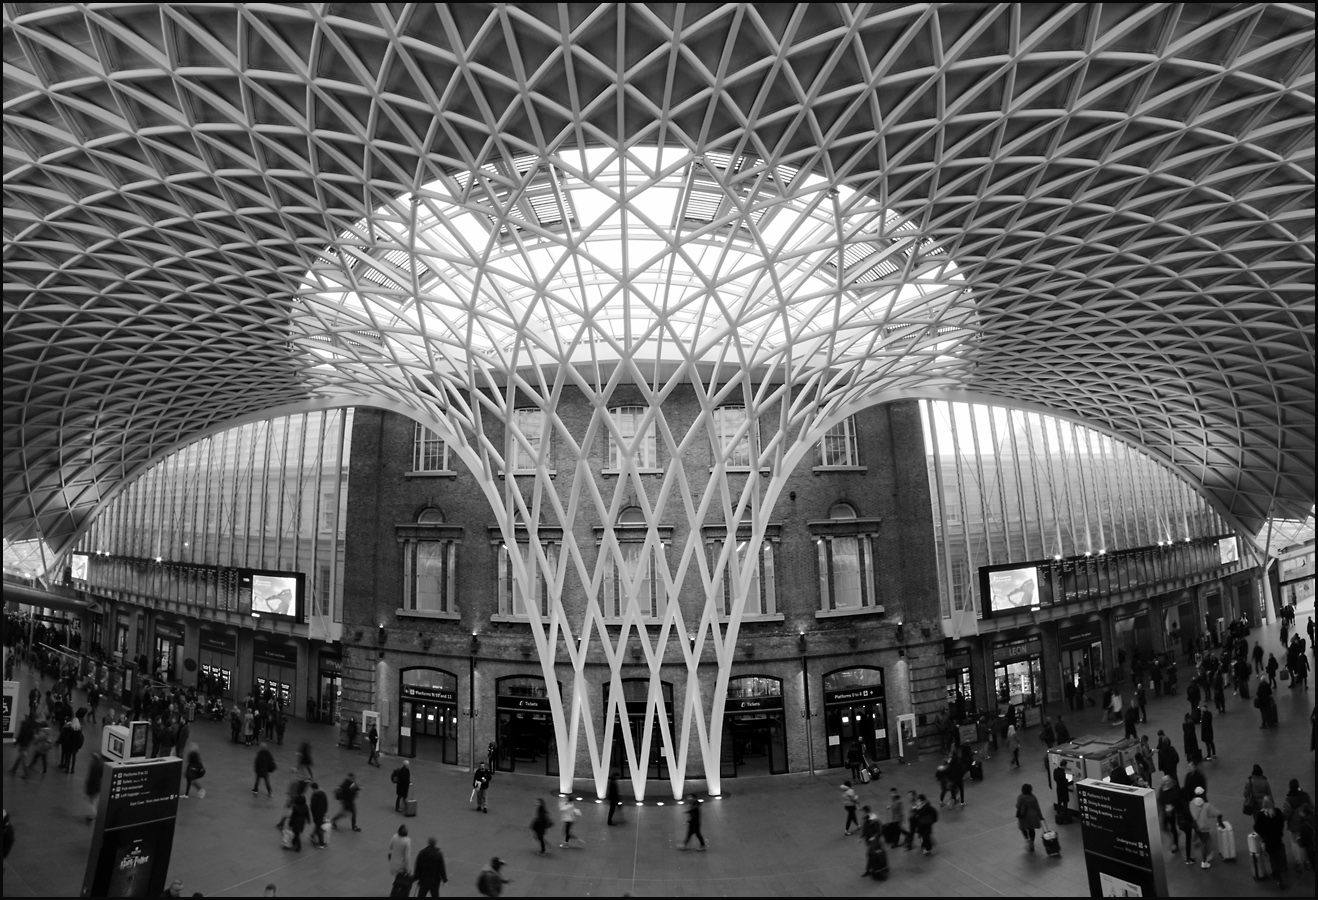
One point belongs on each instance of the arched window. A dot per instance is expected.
(845, 546)
(633, 567)
(430, 565)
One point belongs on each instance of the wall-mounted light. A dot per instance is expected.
(381, 636)
(901, 633)
(800, 640)
(475, 643)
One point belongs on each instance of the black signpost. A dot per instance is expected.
(130, 849)
(1123, 845)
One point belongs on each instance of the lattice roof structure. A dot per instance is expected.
(1105, 211)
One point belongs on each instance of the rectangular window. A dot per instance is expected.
(636, 572)
(846, 572)
(512, 600)
(430, 575)
(740, 451)
(838, 447)
(760, 596)
(628, 421)
(530, 423)
(429, 452)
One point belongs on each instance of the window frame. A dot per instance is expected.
(852, 460)
(865, 533)
(767, 606)
(633, 534)
(750, 439)
(518, 451)
(422, 437)
(506, 599)
(410, 537)
(648, 442)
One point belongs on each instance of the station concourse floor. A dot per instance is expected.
(769, 836)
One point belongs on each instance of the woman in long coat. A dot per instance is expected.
(1028, 815)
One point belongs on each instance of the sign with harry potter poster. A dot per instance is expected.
(134, 836)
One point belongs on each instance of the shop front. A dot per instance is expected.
(1081, 658)
(167, 665)
(855, 710)
(428, 715)
(754, 728)
(1018, 678)
(635, 696)
(329, 698)
(525, 739)
(218, 653)
(274, 669)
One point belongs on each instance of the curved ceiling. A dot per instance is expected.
(1105, 210)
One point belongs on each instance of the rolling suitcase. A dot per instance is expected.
(1226, 841)
(976, 771)
(1051, 845)
(1258, 859)
(1062, 814)
(864, 776)
(892, 833)
(877, 861)
(409, 807)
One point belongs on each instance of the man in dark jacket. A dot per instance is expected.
(347, 797)
(402, 779)
(263, 765)
(429, 871)
(319, 807)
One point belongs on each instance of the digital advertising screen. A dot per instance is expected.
(78, 565)
(1227, 551)
(1009, 589)
(277, 594)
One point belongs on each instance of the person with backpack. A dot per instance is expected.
(346, 794)
(490, 882)
(1205, 816)
(194, 771)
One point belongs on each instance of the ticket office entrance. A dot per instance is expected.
(428, 715)
(524, 734)
(754, 728)
(169, 652)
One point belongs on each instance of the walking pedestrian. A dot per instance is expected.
(352, 734)
(1014, 745)
(480, 786)
(849, 802)
(871, 831)
(402, 779)
(1028, 815)
(304, 761)
(429, 870)
(1141, 701)
(27, 732)
(1206, 815)
(611, 794)
(923, 817)
(297, 821)
(1207, 735)
(897, 816)
(1271, 668)
(693, 823)
(1191, 740)
(264, 764)
(1256, 788)
(92, 789)
(296, 788)
(1298, 810)
(400, 862)
(1258, 658)
(568, 815)
(1270, 826)
(346, 794)
(1194, 778)
(194, 770)
(541, 824)
(319, 808)
(373, 741)
(854, 760)
(490, 882)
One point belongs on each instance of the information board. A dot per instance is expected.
(11, 710)
(1122, 842)
(134, 836)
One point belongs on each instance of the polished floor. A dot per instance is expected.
(769, 836)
